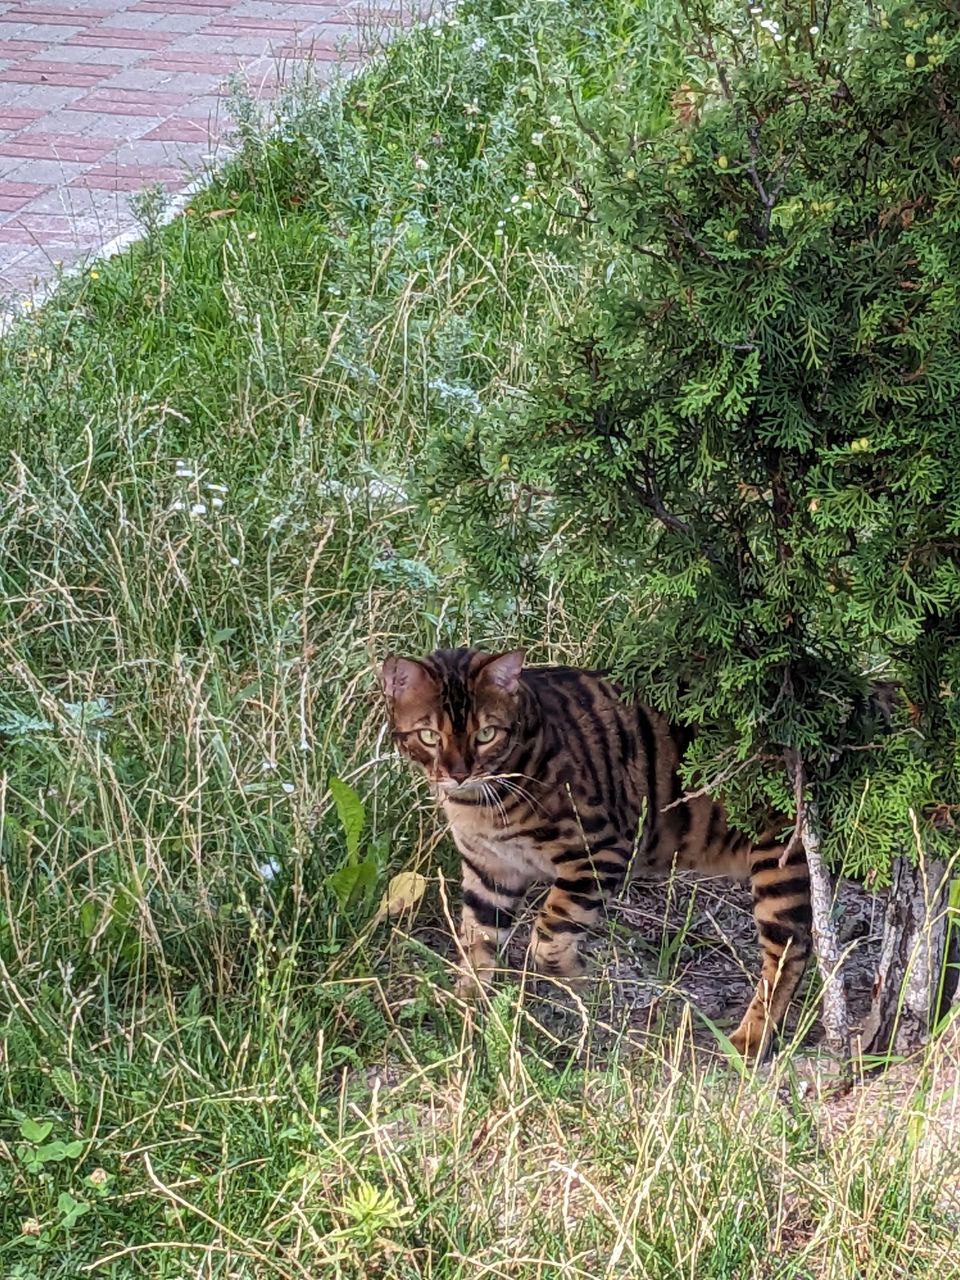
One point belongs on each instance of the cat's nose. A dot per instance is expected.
(459, 775)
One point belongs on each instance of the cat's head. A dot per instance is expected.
(454, 713)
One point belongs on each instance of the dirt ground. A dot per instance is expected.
(666, 947)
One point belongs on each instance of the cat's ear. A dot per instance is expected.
(401, 676)
(503, 672)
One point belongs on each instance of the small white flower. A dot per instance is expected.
(198, 509)
(420, 163)
(525, 204)
(756, 11)
(269, 869)
(178, 506)
(514, 199)
(769, 25)
(530, 169)
(814, 31)
(478, 45)
(288, 787)
(267, 765)
(216, 488)
(471, 108)
(555, 122)
(216, 502)
(537, 139)
(234, 560)
(500, 222)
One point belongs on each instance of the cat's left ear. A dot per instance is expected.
(503, 672)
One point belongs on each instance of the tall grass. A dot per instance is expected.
(218, 1058)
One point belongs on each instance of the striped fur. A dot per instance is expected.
(547, 776)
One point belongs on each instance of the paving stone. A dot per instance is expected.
(100, 98)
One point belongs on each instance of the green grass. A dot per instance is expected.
(217, 1059)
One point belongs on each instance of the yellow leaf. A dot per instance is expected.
(403, 894)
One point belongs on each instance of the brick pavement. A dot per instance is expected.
(102, 98)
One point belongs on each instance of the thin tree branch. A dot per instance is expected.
(836, 1021)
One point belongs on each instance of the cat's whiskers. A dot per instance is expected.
(491, 795)
(507, 780)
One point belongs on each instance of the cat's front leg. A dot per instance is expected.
(490, 900)
(574, 905)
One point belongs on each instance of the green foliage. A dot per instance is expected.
(755, 418)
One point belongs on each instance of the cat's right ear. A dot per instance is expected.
(401, 676)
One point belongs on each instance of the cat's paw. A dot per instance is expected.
(567, 969)
(751, 1040)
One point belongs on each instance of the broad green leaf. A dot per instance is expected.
(351, 813)
(353, 881)
(52, 1151)
(36, 1130)
(89, 918)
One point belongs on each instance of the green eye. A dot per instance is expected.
(485, 735)
(429, 737)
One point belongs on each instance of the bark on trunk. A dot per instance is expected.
(836, 1022)
(909, 983)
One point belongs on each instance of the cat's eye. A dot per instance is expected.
(487, 734)
(429, 737)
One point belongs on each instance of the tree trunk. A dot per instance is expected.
(826, 944)
(836, 1022)
(909, 986)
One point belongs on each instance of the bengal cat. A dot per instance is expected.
(547, 776)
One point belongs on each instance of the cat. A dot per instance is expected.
(546, 775)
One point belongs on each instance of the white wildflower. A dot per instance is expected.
(420, 163)
(514, 199)
(537, 139)
(814, 31)
(525, 204)
(269, 870)
(471, 108)
(234, 560)
(555, 122)
(216, 502)
(288, 787)
(267, 765)
(216, 488)
(198, 509)
(178, 506)
(478, 45)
